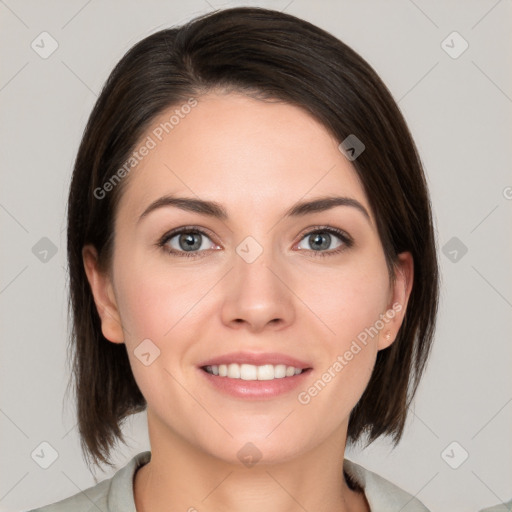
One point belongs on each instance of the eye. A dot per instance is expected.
(186, 241)
(320, 241)
(190, 241)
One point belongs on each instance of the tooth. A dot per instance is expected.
(279, 371)
(234, 371)
(265, 372)
(248, 372)
(251, 372)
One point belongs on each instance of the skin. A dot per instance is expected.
(257, 159)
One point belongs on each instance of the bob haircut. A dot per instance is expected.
(271, 56)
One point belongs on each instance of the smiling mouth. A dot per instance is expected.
(252, 372)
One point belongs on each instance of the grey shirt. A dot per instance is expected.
(116, 493)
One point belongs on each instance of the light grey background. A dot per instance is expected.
(459, 111)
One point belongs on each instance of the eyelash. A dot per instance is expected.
(344, 237)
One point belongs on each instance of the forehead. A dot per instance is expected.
(242, 152)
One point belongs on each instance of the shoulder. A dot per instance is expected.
(381, 494)
(93, 498)
(115, 493)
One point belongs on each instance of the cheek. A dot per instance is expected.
(350, 299)
(159, 305)
(154, 299)
(166, 306)
(349, 351)
(350, 308)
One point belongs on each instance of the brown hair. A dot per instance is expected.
(275, 56)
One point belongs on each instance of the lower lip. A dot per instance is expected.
(256, 389)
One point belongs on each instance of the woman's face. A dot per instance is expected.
(257, 286)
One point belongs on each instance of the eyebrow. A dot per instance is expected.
(216, 210)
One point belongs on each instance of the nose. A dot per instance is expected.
(258, 295)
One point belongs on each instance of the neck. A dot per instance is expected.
(182, 477)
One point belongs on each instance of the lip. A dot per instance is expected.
(257, 359)
(255, 389)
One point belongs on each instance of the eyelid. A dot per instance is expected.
(326, 228)
(188, 227)
(184, 229)
(346, 240)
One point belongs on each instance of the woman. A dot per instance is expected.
(252, 261)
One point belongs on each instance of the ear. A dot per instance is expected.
(399, 297)
(104, 298)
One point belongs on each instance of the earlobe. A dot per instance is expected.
(400, 293)
(104, 298)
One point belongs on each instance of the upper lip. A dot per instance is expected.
(256, 359)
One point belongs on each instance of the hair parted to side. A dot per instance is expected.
(274, 56)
